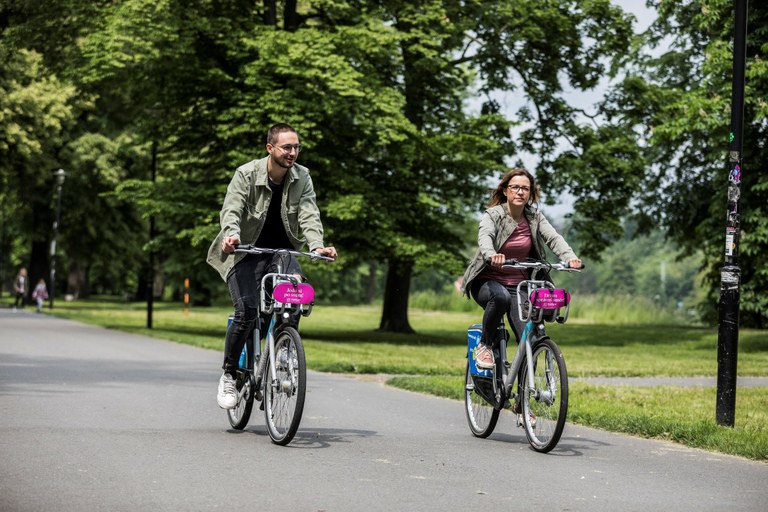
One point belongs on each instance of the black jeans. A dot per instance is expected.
(497, 300)
(244, 281)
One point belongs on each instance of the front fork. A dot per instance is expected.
(270, 343)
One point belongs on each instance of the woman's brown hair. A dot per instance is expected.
(498, 196)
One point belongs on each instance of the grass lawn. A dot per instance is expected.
(343, 339)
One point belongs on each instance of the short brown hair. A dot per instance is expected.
(276, 130)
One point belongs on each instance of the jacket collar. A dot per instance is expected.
(260, 168)
(529, 211)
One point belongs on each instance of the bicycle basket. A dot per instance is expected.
(279, 294)
(540, 300)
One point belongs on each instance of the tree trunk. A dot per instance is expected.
(270, 12)
(141, 284)
(370, 289)
(158, 285)
(290, 16)
(77, 281)
(394, 315)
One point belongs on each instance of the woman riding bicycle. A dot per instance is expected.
(511, 227)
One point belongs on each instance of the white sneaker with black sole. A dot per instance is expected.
(227, 396)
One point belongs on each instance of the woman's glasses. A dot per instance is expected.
(518, 188)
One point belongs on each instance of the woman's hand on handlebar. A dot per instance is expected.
(330, 252)
(497, 260)
(574, 263)
(229, 244)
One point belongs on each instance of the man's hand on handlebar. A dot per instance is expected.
(229, 244)
(326, 251)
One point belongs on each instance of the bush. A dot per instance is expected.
(609, 309)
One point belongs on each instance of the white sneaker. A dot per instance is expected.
(227, 396)
(521, 423)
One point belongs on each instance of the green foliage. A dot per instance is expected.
(150, 106)
(36, 111)
(449, 299)
(677, 103)
(683, 415)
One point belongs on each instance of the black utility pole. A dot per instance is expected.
(151, 271)
(730, 275)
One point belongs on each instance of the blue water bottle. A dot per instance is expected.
(242, 363)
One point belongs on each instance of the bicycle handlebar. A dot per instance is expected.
(536, 264)
(252, 249)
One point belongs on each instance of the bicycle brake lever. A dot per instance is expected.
(317, 256)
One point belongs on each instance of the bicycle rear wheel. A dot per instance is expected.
(284, 396)
(481, 415)
(546, 406)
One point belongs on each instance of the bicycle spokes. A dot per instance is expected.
(546, 405)
(284, 398)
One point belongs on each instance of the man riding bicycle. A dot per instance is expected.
(270, 202)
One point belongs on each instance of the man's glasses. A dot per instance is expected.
(286, 148)
(518, 188)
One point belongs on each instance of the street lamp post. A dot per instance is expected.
(60, 175)
(730, 275)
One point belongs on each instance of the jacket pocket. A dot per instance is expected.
(293, 219)
(250, 226)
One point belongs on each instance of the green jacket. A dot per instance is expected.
(497, 225)
(246, 205)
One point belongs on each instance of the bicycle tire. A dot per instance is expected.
(284, 397)
(546, 406)
(239, 416)
(481, 415)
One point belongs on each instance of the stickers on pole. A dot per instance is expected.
(735, 175)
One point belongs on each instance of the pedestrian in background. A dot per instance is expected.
(40, 294)
(20, 287)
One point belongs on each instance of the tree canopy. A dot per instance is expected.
(150, 106)
(659, 153)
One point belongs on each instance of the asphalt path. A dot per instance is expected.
(93, 419)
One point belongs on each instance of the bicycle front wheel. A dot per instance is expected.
(284, 395)
(546, 405)
(481, 415)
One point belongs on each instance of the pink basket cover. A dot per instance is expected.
(286, 293)
(550, 299)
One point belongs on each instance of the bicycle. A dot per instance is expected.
(273, 370)
(538, 367)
